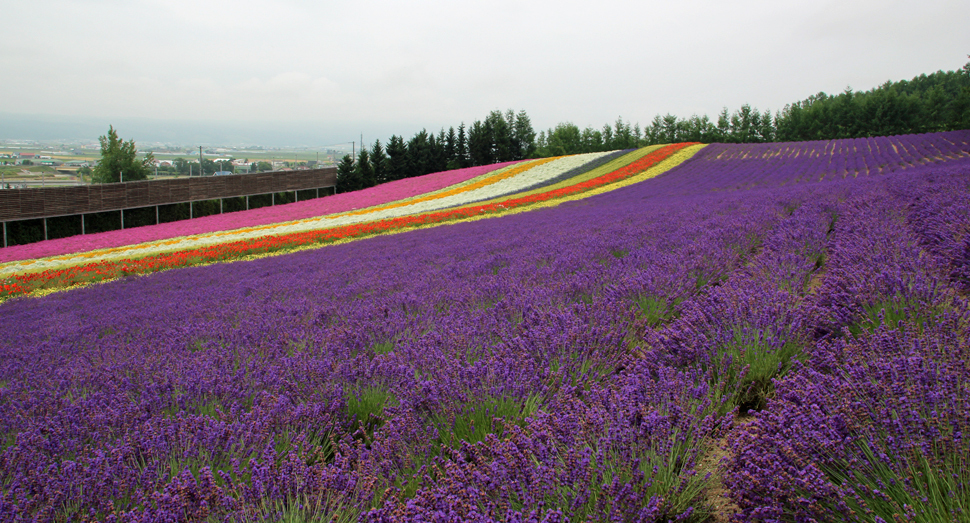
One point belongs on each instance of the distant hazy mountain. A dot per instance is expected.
(145, 131)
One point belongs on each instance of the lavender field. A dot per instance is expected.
(798, 308)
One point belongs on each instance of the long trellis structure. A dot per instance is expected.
(55, 202)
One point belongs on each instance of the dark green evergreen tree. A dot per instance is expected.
(209, 167)
(182, 166)
(766, 128)
(524, 136)
(419, 154)
(347, 175)
(379, 161)
(461, 151)
(501, 137)
(397, 153)
(439, 154)
(451, 150)
(480, 143)
(364, 171)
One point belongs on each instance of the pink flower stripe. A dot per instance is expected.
(381, 194)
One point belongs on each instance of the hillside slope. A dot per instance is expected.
(573, 362)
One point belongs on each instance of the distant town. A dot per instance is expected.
(25, 163)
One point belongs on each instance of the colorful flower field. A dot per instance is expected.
(401, 189)
(771, 332)
(506, 188)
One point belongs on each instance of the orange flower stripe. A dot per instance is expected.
(518, 169)
(111, 269)
(484, 182)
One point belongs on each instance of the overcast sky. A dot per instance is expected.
(325, 72)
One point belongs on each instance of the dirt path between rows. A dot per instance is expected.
(718, 496)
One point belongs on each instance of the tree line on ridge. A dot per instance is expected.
(928, 103)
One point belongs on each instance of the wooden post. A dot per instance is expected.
(83, 232)
(247, 202)
(4, 234)
(122, 219)
(191, 210)
(156, 215)
(45, 229)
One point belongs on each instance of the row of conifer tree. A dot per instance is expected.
(927, 103)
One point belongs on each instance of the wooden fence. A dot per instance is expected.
(56, 202)
(49, 202)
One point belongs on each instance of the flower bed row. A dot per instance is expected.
(571, 363)
(485, 181)
(110, 269)
(516, 180)
(381, 194)
(881, 404)
(493, 183)
(573, 174)
(213, 388)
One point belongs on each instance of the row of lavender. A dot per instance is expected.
(874, 425)
(868, 305)
(403, 333)
(565, 364)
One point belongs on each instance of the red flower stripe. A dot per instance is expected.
(108, 270)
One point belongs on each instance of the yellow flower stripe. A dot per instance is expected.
(516, 169)
(606, 168)
(664, 166)
(135, 251)
(673, 161)
(411, 199)
(482, 180)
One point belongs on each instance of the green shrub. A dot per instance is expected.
(173, 212)
(25, 231)
(478, 419)
(139, 217)
(744, 365)
(656, 310)
(234, 204)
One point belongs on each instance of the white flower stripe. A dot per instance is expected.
(520, 182)
(166, 245)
